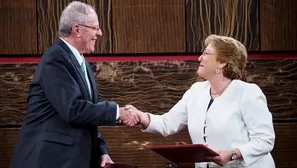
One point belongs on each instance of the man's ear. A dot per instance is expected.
(75, 30)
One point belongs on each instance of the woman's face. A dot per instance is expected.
(208, 63)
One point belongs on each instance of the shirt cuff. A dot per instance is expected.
(118, 112)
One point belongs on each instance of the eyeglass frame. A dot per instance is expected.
(207, 53)
(91, 27)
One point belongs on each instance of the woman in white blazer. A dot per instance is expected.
(226, 114)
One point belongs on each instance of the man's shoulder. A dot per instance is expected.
(55, 47)
(54, 52)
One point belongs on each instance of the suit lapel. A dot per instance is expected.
(76, 64)
(81, 74)
(92, 82)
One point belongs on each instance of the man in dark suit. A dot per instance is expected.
(63, 112)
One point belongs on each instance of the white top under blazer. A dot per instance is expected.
(239, 118)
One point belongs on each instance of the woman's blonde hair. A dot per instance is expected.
(229, 51)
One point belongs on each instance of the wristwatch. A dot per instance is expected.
(233, 156)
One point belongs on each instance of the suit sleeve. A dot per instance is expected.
(258, 121)
(64, 94)
(101, 145)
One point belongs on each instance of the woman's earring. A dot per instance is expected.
(217, 71)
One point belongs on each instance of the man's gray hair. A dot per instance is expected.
(75, 13)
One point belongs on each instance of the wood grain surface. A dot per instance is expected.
(154, 86)
(48, 17)
(140, 26)
(154, 26)
(278, 25)
(18, 27)
(234, 18)
(130, 145)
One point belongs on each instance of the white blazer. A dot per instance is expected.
(239, 118)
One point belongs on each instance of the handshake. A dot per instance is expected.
(130, 116)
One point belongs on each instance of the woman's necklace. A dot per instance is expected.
(215, 93)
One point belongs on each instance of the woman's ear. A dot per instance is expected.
(222, 65)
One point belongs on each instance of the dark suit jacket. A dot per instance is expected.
(60, 128)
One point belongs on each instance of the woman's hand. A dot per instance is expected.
(223, 158)
(144, 118)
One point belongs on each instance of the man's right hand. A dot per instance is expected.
(144, 118)
(128, 117)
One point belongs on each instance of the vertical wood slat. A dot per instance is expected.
(234, 18)
(154, 26)
(278, 25)
(18, 27)
(49, 16)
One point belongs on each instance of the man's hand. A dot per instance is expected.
(105, 159)
(128, 117)
(144, 118)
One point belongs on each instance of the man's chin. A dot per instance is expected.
(89, 52)
(92, 51)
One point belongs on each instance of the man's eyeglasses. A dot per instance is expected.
(91, 27)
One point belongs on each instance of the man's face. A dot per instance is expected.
(89, 33)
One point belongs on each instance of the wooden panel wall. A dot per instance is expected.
(278, 25)
(48, 14)
(154, 26)
(154, 86)
(133, 148)
(141, 26)
(238, 19)
(18, 27)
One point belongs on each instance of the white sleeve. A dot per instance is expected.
(118, 112)
(171, 122)
(258, 121)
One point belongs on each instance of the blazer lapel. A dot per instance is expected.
(76, 64)
(203, 101)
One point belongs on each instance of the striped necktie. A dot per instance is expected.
(84, 69)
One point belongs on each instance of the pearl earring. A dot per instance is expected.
(217, 71)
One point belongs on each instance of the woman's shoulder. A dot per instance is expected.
(200, 85)
(247, 86)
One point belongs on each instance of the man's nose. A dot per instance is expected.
(99, 33)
